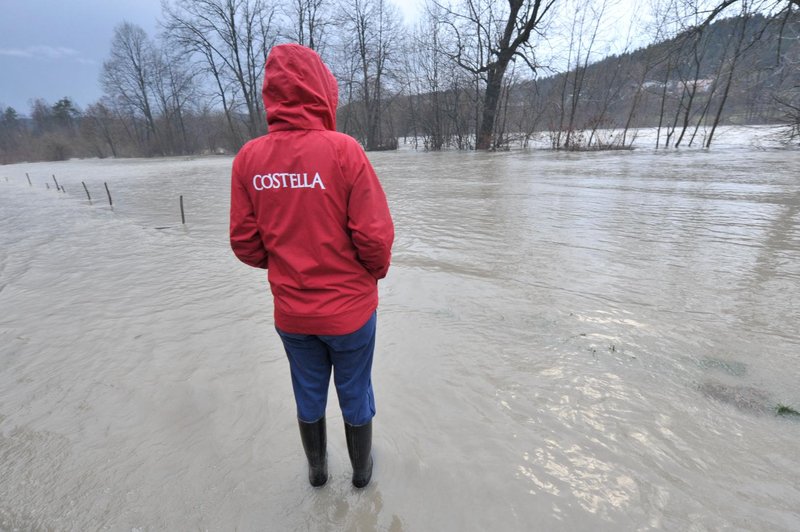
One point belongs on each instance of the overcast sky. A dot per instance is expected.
(55, 48)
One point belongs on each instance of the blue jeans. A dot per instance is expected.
(311, 359)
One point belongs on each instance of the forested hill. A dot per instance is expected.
(764, 44)
(741, 70)
(733, 71)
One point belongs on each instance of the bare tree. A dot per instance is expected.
(127, 77)
(430, 83)
(229, 40)
(488, 36)
(175, 90)
(739, 48)
(585, 25)
(98, 126)
(375, 29)
(787, 80)
(690, 85)
(309, 23)
(719, 8)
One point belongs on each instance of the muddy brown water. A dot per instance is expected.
(565, 342)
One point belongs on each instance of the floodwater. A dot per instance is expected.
(594, 341)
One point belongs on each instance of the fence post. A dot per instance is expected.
(87, 191)
(183, 218)
(109, 194)
(58, 187)
(29, 179)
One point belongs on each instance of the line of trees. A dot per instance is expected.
(470, 74)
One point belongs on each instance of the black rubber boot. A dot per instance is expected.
(359, 447)
(314, 442)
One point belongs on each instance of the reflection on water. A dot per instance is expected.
(567, 342)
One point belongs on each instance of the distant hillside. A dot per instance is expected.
(685, 79)
(734, 71)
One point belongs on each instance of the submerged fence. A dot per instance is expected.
(60, 188)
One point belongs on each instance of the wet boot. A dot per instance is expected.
(359, 447)
(314, 442)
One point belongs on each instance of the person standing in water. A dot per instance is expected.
(307, 206)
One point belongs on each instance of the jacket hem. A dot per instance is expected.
(337, 325)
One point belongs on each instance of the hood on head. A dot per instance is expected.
(299, 91)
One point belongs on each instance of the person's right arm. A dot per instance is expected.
(369, 220)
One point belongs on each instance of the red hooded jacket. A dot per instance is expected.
(307, 205)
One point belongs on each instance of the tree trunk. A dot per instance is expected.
(728, 83)
(491, 101)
